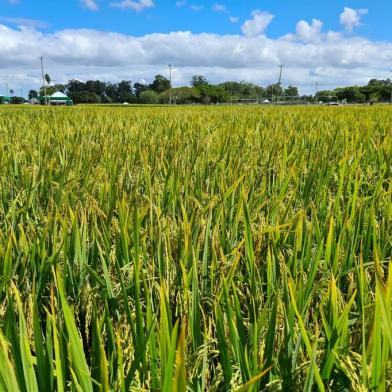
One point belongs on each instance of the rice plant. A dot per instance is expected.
(195, 249)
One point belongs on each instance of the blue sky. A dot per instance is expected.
(197, 16)
(332, 43)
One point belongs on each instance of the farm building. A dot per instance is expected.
(4, 99)
(58, 98)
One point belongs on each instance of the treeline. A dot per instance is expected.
(200, 91)
(375, 91)
(203, 92)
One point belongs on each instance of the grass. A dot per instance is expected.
(199, 249)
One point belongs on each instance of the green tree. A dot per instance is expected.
(32, 94)
(17, 100)
(274, 90)
(181, 96)
(125, 91)
(139, 88)
(350, 94)
(291, 91)
(160, 84)
(243, 90)
(198, 81)
(378, 90)
(50, 90)
(75, 86)
(213, 94)
(326, 96)
(149, 97)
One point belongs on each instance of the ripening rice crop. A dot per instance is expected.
(195, 249)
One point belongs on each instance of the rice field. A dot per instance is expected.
(195, 249)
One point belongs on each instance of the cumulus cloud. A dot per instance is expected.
(84, 54)
(26, 22)
(90, 4)
(309, 32)
(234, 19)
(136, 5)
(351, 18)
(219, 8)
(258, 24)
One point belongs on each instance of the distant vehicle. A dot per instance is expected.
(334, 104)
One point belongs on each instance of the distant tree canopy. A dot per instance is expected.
(374, 91)
(350, 94)
(149, 97)
(139, 88)
(198, 80)
(212, 94)
(181, 96)
(95, 91)
(17, 100)
(291, 91)
(155, 92)
(52, 89)
(243, 90)
(274, 90)
(32, 94)
(160, 84)
(201, 91)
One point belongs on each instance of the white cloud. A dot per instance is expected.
(196, 7)
(234, 19)
(26, 22)
(90, 4)
(332, 60)
(136, 5)
(192, 7)
(219, 8)
(258, 24)
(351, 18)
(309, 32)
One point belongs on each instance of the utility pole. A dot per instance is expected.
(280, 74)
(316, 95)
(43, 80)
(170, 70)
(8, 91)
(279, 81)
